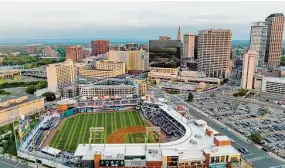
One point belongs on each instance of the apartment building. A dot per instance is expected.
(100, 47)
(111, 65)
(136, 60)
(61, 74)
(74, 53)
(214, 51)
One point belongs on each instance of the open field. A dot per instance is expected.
(75, 130)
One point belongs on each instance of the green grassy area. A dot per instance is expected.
(75, 130)
(10, 147)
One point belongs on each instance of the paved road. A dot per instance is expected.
(6, 163)
(257, 157)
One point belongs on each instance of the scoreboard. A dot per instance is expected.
(110, 163)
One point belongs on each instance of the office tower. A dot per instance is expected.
(100, 47)
(32, 49)
(275, 23)
(74, 53)
(189, 45)
(179, 36)
(258, 36)
(49, 52)
(60, 75)
(165, 52)
(214, 50)
(248, 69)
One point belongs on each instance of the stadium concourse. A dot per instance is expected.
(193, 144)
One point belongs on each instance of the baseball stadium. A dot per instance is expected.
(152, 133)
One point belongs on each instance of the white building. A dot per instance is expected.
(273, 84)
(248, 69)
(258, 36)
(189, 45)
(60, 75)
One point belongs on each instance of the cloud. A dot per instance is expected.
(128, 19)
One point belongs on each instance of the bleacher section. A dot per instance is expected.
(170, 127)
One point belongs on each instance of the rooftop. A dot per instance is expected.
(222, 138)
(275, 15)
(15, 96)
(275, 79)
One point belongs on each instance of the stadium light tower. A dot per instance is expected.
(99, 134)
(151, 130)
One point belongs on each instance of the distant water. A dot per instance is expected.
(65, 41)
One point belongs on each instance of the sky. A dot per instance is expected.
(128, 20)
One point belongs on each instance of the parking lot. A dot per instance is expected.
(249, 118)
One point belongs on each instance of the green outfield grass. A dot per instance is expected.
(75, 130)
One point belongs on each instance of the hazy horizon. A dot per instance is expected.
(128, 20)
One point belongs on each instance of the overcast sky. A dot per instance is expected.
(128, 20)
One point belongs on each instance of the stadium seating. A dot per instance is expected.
(170, 127)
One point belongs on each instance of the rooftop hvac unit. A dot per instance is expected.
(193, 141)
(198, 136)
(215, 150)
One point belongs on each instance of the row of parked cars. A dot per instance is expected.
(274, 137)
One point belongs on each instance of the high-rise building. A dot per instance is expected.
(189, 45)
(248, 69)
(85, 53)
(100, 47)
(49, 52)
(136, 60)
(74, 53)
(32, 49)
(275, 23)
(165, 52)
(214, 50)
(258, 36)
(60, 75)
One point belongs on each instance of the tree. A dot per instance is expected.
(256, 137)
(212, 95)
(190, 97)
(282, 60)
(49, 96)
(41, 85)
(30, 89)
